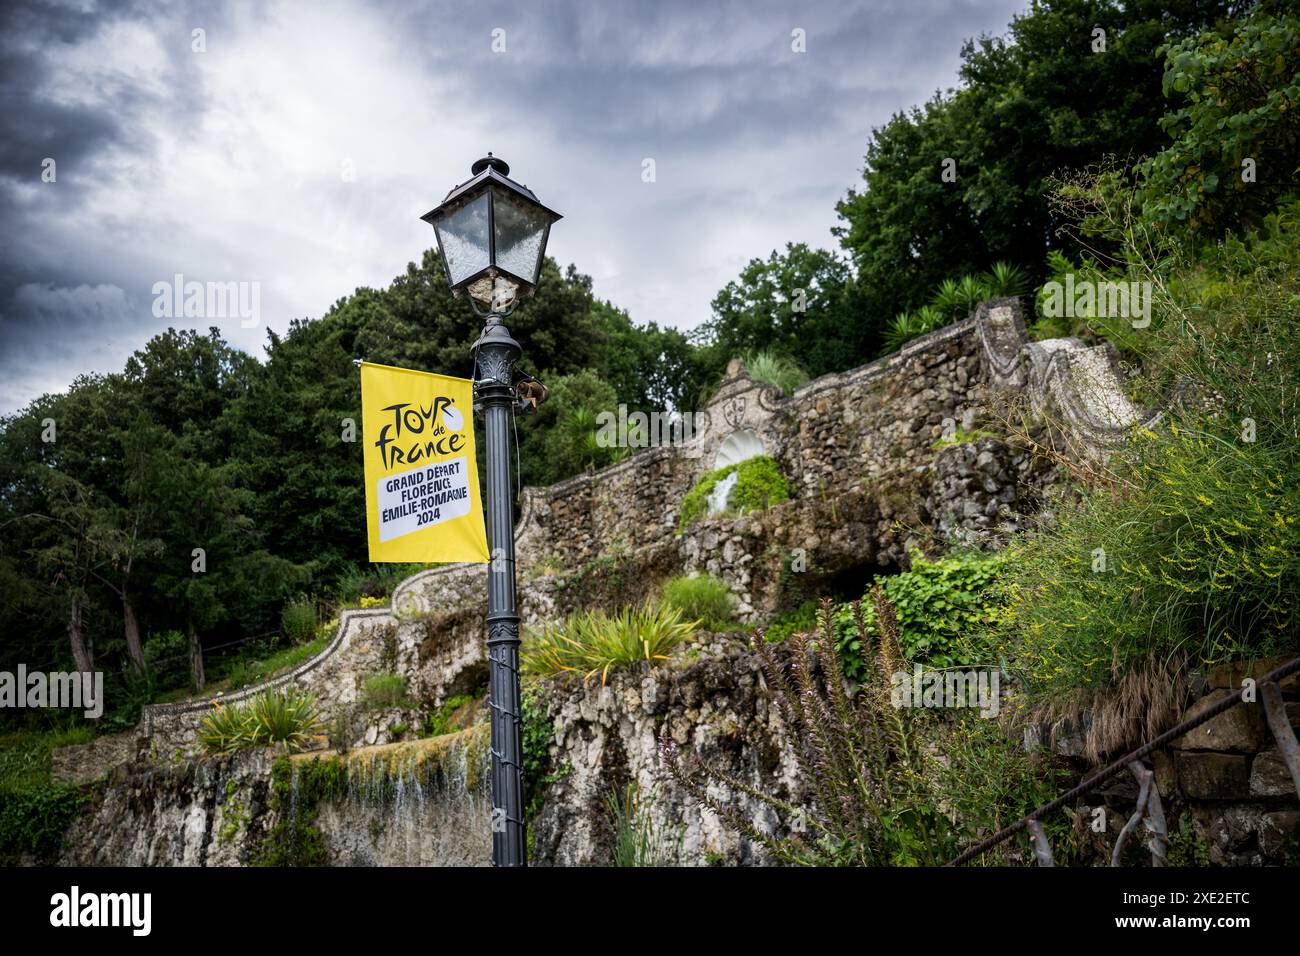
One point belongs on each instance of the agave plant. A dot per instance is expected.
(226, 729)
(292, 717)
(587, 643)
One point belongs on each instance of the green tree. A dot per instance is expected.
(1235, 153)
(1046, 98)
(796, 304)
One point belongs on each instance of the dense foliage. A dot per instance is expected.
(1184, 552)
(1236, 137)
(759, 484)
(937, 603)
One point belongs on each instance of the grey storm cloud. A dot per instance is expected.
(229, 164)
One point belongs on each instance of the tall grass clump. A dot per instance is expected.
(298, 620)
(703, 598)
(638, 841)
(775, 369)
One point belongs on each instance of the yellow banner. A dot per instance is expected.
(422, 500)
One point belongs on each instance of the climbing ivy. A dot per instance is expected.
(34, 820)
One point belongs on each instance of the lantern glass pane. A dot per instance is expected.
(521, 232)
(463, 236)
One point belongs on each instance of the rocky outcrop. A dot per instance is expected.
(607, 736)
(421, 803)
(190, 813)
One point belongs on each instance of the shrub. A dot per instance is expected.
(775, 369)
(942, 607)
(759, 485)
(701, 598)
(384, 690)
(34, 820)
(939, 602)
(591, 642)
(299, 620)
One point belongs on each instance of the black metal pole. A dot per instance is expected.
(495, 355)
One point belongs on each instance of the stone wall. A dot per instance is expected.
(424, 803)
(607, 736)
(872, 480)
(1232, 777)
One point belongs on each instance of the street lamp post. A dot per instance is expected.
(492, 235)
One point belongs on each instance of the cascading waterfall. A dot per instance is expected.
(423, 802)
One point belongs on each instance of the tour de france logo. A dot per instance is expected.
(428, 443)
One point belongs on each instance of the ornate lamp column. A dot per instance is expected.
(492, 234)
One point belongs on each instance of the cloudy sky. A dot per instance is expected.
(294, 145)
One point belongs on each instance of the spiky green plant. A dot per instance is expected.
(947, 300)
(587, 643)
(291, 717)
(775, 369)
(1005, 280)
(928, 318)
(901, 330)
(971, 291)
(226, 729)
